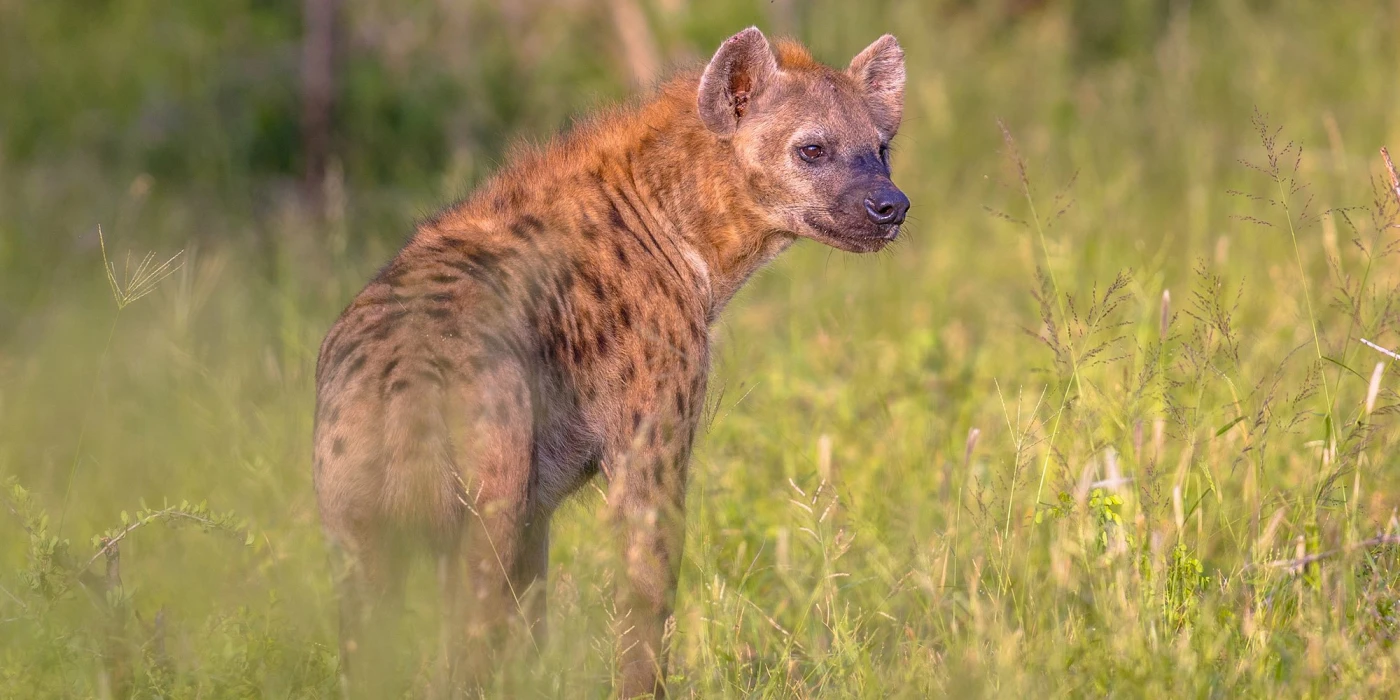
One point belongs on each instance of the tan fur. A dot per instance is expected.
(556, 325)
(794, 56)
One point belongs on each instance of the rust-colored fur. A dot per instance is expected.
(556, 325)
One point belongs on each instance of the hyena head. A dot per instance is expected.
(813, 142)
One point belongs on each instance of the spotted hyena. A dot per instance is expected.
(556, 325)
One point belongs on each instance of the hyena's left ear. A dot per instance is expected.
(741, 68)
(879, 70)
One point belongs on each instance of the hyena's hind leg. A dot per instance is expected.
(490, 584)
(370, 570)
(530, 578)
(485, 572)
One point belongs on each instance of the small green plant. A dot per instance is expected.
(1185, 579)
(54, 573)
(1061, 508)
(1103, 509)
(50, 568)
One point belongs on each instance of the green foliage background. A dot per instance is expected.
(1134, 514)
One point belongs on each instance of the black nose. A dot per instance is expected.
(887, 206)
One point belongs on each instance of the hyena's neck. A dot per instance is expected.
(654, 172)
(691, 183)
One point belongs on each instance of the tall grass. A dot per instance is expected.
(1103, 424)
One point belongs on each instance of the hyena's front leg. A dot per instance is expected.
(646, 499)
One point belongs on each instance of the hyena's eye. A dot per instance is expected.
(811, 152)
(885, 154)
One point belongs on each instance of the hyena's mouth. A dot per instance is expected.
(859, 239)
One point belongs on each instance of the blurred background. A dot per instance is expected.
(359, 111)
(367, 110)
(280, 152)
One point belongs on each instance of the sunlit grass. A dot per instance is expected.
(138, 280)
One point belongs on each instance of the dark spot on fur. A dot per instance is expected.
(387, 324)
(441, 364)
(595, 285)
(389, 368)
(442, 297)
(526, 227)
(615, 217)
(477, 363)
(484, 258)
(636, 420)
(444, 278)
(343, 351)
(355, 366)
(601, 340)
(468, 267)
(508, 200)
(398, 386)
(624, 314)
(439, 313)
(482, 266)
(338, 447)
(620, 254)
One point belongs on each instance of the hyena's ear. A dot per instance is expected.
(740, 69)
(879, 70)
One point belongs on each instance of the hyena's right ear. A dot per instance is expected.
(879, 70)
(740, 69)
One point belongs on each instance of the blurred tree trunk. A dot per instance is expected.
(638, 43)
(321, 29)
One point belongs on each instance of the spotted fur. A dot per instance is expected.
(556, 325)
